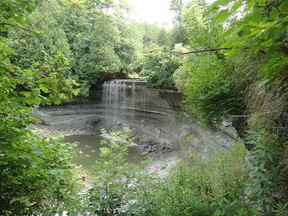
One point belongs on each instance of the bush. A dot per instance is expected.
(114, 177)
(211, 92)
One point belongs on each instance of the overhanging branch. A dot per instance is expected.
(13, 25)
(199, 51)
(210, 50)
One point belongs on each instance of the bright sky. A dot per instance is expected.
(152, 11)
(155, 11)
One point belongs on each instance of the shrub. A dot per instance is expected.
(211, 92)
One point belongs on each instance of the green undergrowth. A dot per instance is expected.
(236, 182)
(201, 187)
(231, 182)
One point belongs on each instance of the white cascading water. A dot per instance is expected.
(119, 98)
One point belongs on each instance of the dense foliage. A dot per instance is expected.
(37, 174)
(201, 187)
(237, 69)
(110, 191)
(96, 40)
(244, 80)
(159, 67)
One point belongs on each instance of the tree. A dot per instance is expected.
(261, 31)
(101, 55)
(75, 23)
(211, 93)
(151, 33)
(202, 31)
(48, 36)
(159, 67)
(244, 81)
(36, 172)
(129, 47)
(110, 45)
(212, 90)
(178, 31)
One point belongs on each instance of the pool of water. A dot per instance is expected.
(89, 145)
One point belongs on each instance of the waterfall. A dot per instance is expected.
(112, 94)
(121, 98)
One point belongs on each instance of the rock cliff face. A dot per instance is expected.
(152, 114)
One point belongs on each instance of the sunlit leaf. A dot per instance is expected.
(220, 2)
(236, 6)
(250, 4)
(245, 31)
(222, 16)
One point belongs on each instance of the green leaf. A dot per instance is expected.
(244, 32)
(28, 72)
(274, 13)
(36, 64)
(236, 6)
(220, 2)
(250, 4)
(25, 93)
(44, 88)
(222, 16)
(227, 33)
(53, 172)
(257, 17)
(283, 7)
(14, 200)
(261, 2)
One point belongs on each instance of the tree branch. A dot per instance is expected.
(199, 51)
(210, 50)
(12, 25)
(16, 26)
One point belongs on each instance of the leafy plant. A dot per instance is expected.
(264, 176)
(257, 31)
(260, 30)
(113, 175)
(159, 68)
(211, 92)
(37, 175)
(46, 36)
(200, 187)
